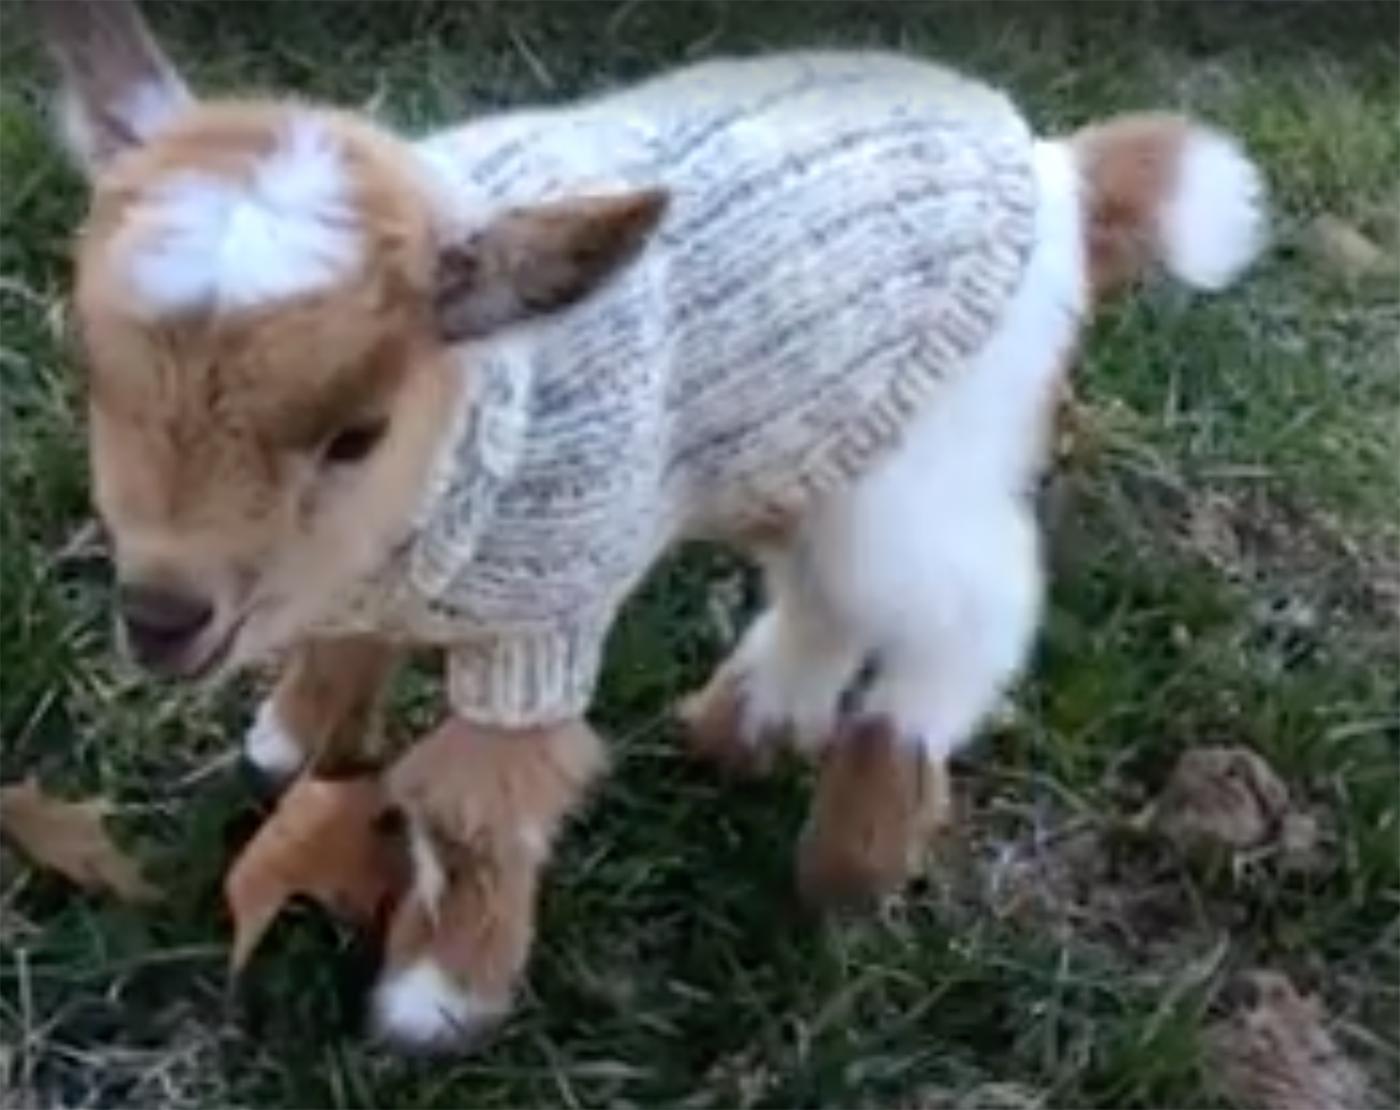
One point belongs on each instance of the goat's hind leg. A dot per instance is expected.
(783, 683)
(950, 613)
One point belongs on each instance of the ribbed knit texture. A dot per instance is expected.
(843, 234)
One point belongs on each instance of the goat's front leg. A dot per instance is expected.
(325, 708)
(482, 807)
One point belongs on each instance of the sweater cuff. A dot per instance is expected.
(526, 679)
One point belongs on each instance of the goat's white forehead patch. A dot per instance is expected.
(289, 229)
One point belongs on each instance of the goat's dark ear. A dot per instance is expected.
(533, 260)
(118, 87)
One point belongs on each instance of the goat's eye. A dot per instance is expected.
(352, 444)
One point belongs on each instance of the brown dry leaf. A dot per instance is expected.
(326, 841)
(1276, 1054)
(69, 837)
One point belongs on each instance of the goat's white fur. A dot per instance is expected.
(429, 874)
(794, 661)
(289, 229)
(421, 1006)
(931, 563)
(1214, 223)
(270, 747)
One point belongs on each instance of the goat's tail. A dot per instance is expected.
(1165, 189)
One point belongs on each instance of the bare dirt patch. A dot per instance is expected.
(1131, 879)
(1276, 1053)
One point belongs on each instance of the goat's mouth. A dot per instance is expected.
(201, 658)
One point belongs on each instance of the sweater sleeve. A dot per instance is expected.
(523, 678)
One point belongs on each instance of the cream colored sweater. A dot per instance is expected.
(843, 232)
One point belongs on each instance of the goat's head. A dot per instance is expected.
(265, 300)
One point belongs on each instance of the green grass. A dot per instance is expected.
(1227, 570)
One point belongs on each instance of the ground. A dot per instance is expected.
(1224, 535)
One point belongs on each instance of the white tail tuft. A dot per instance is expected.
(1213, 224)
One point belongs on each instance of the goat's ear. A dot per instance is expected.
(532, 260)
(118, 87)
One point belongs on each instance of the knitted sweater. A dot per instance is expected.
(843, 232)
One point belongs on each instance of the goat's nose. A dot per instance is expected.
(160, 623)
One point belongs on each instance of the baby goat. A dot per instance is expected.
(351, 391)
